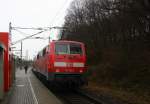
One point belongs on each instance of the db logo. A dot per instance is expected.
(69, 65)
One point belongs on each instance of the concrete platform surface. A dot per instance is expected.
(29, 90)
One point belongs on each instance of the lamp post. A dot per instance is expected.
(19, 52)
(21, 56)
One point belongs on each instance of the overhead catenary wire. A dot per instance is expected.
(58, 13)
(43, 30)
(21, 32)
(39, 28)
(60, 20)
(27, 37)
(30, 28)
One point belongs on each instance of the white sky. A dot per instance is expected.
(32, 13)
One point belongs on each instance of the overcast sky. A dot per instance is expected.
(32, 13)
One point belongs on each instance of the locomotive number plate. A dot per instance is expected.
(69, 64)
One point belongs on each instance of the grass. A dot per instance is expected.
(123, 74)
(120, 94)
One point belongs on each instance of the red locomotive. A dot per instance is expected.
(63, 62)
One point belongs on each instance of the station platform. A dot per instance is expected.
(29, 90)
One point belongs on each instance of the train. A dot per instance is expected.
(62, 62)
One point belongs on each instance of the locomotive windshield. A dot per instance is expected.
(61, 49)
(68, 48)
(75, 49)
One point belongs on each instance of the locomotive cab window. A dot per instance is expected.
(72, 48)
(75, 49)
(61, 49)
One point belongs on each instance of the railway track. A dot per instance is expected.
(79, 96)
(71, 96)
(76, 97)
